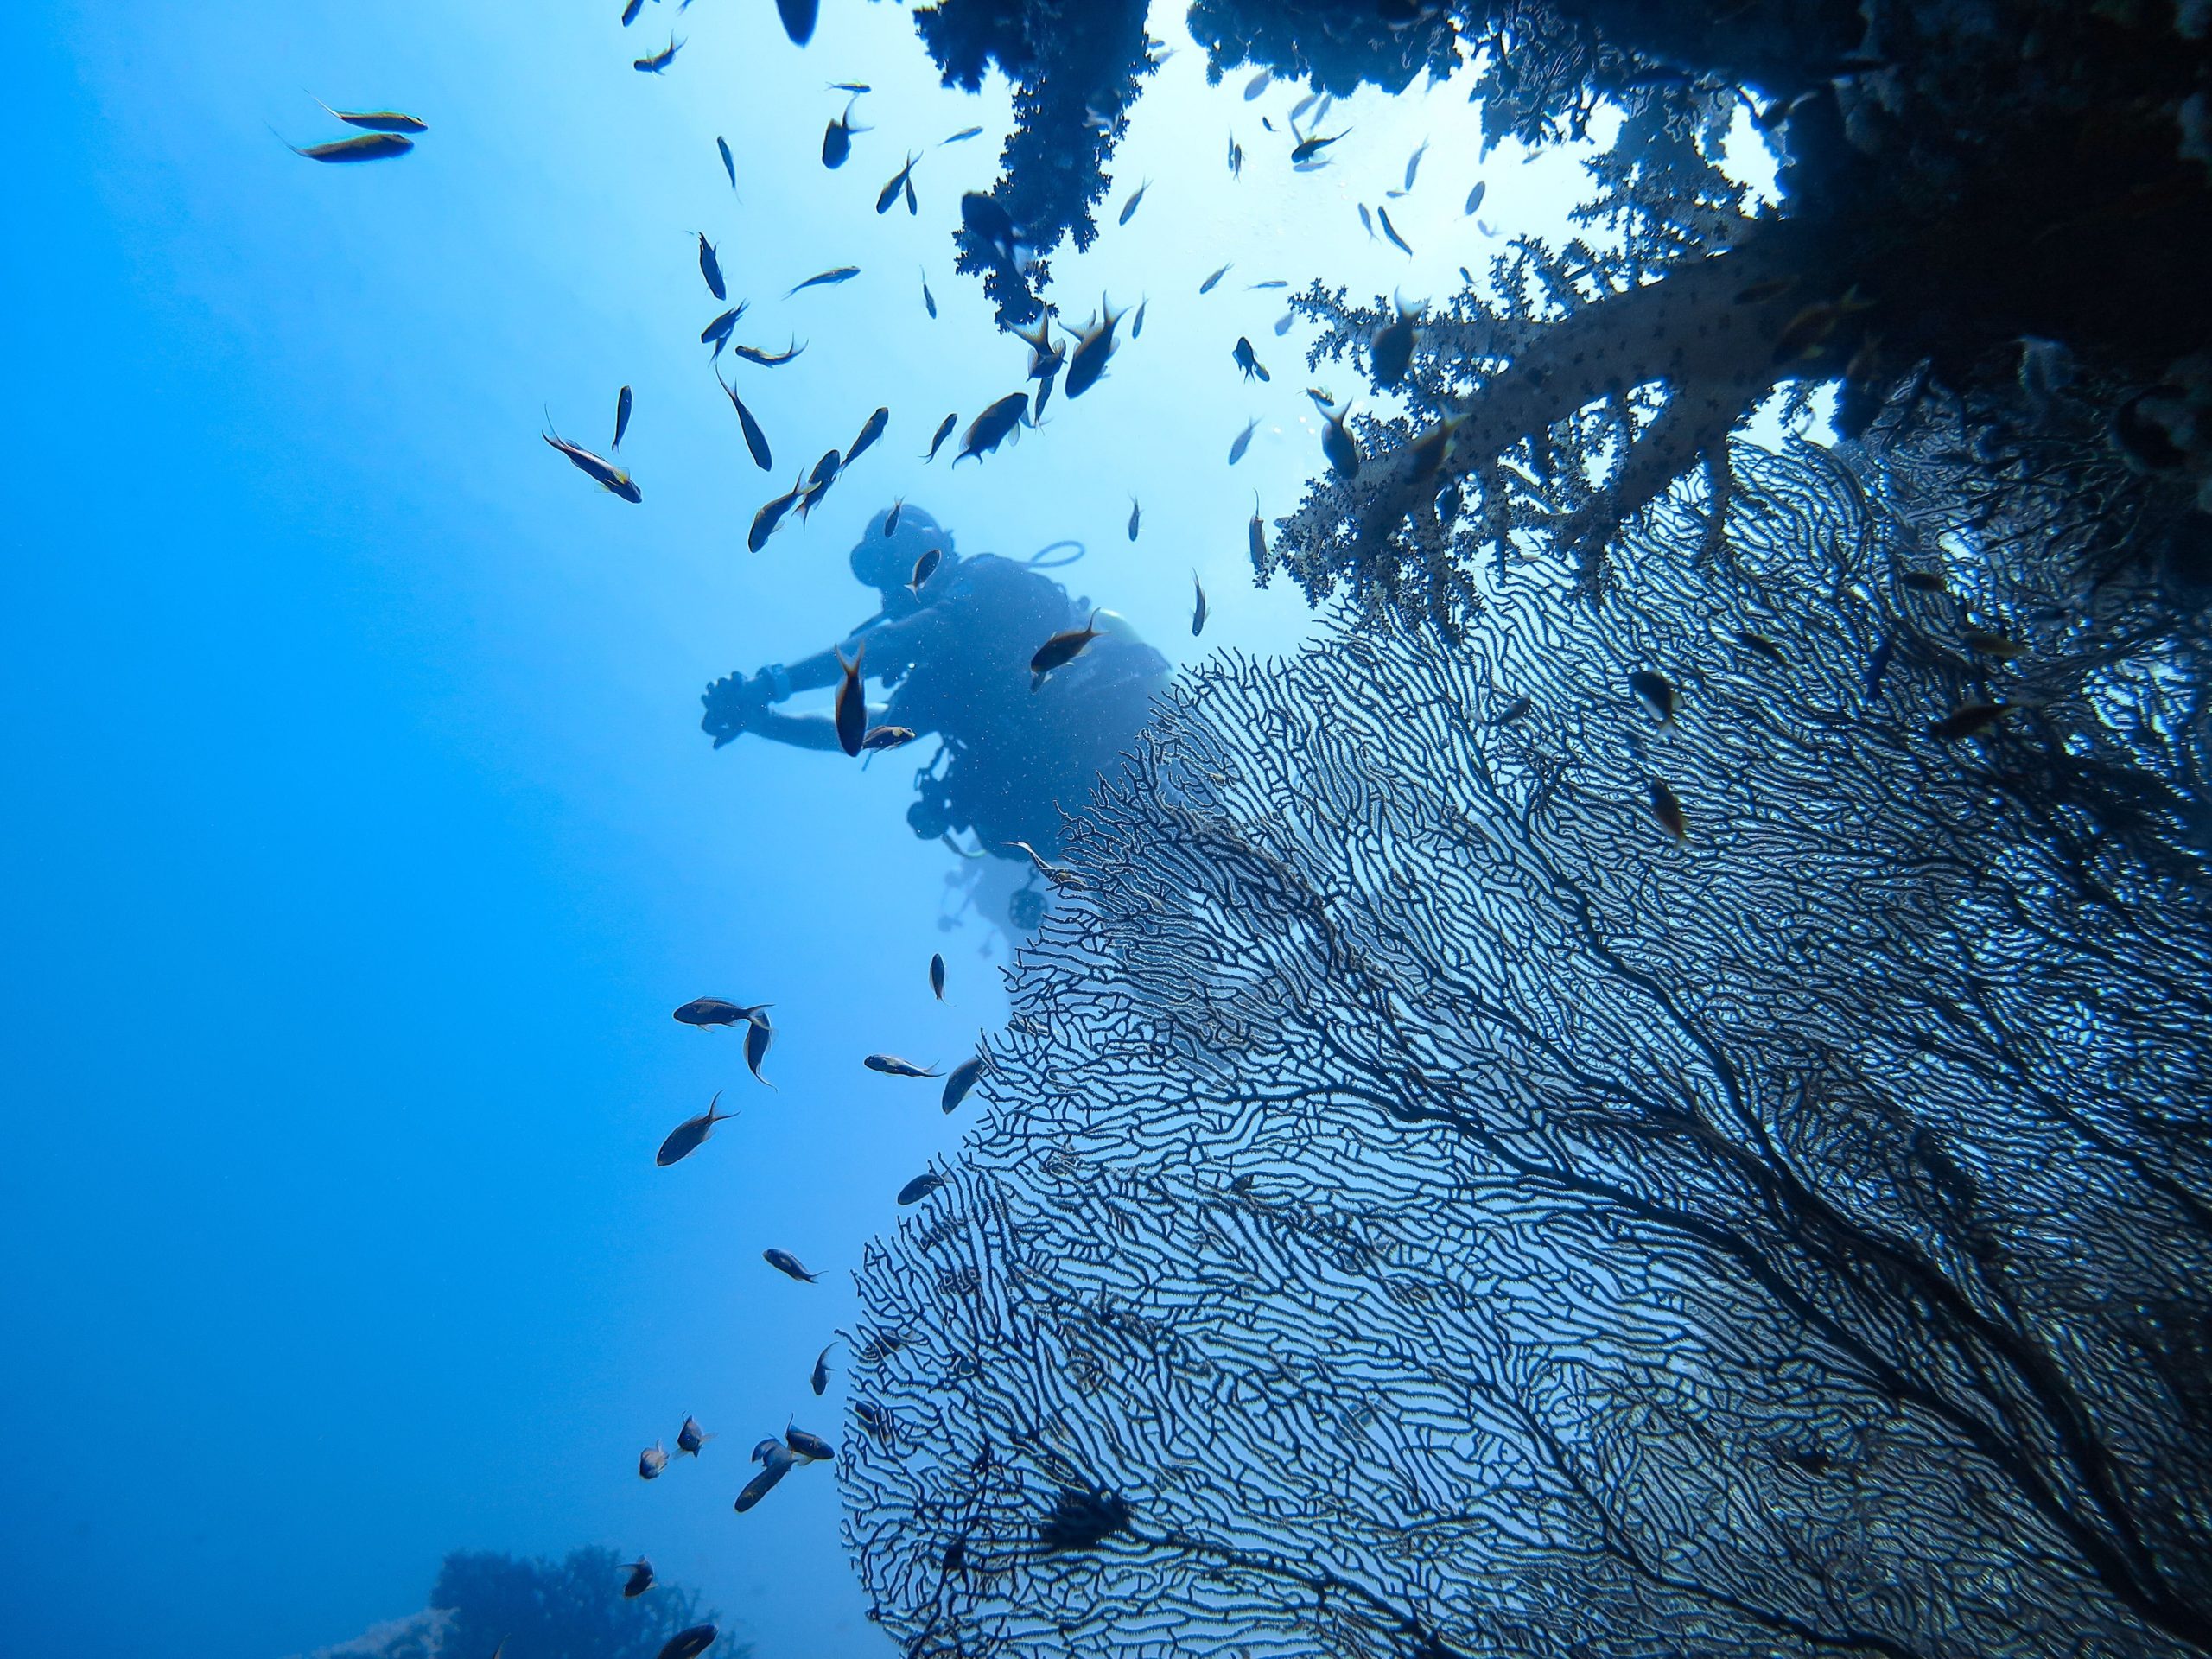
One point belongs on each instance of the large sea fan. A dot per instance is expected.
(1427, 1207)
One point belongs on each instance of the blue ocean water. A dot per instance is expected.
(362, 835)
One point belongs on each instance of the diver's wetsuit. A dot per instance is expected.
(957, 665)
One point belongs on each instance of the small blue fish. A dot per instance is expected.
(369, 147)
(1391, 230)
(789, 1265)
(892, 1066)
(729, 161)
(660, 59)
(1130, 207)
(1244, 441)
(1206, 287)
(944, 431)
(929, 300)
(711, 268)
(961, 1080)
(621, 416)
(827, 278)
(378, 120)
(688, 1136)
(963, 136)
(920, 1187)
(837, 138)
(1413, 163)
(1197, 606)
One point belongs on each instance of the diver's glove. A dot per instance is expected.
(732, 704)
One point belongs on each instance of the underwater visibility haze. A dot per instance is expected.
(1363, 827)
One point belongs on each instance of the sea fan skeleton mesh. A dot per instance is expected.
(1455, 1219)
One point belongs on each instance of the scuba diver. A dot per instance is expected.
(955, 654)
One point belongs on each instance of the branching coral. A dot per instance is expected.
(1076, 71)
(1958, 179)
(1456, 1218)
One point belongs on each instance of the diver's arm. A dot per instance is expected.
(800, 731)
(891, 644)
